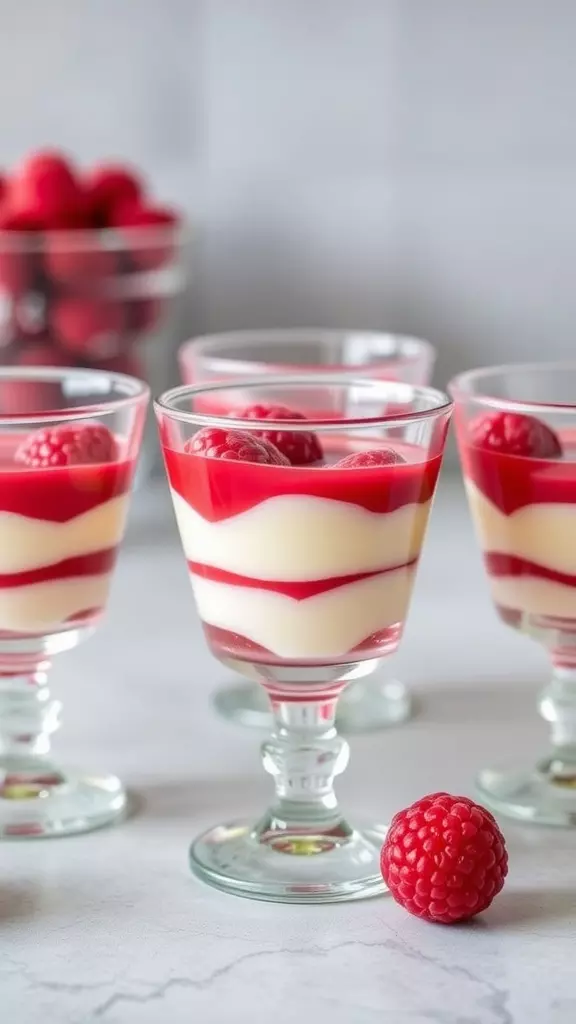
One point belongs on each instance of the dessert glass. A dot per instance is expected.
(522, 497)
(60, 528)
(376, 701)
(302, 577)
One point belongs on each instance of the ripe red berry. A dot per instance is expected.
(17, 256)
(143, 315)
(235, 445)
(88, 327)
(444, 858)
(300, 448)
(109, 186)
(154, 244)
(373, 458)
(72, 257)
(515, 434)
(31, 396)
(67, 446)
(46, 189)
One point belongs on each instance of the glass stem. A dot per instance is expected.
(558, 707)
(304, 754)
(28, 717)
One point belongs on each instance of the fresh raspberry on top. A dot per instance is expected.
(515, 434)
(300, 448)
(67, 446)
(366, 460)
(46, 189)
(444, 858)
(235, 445)
(108, 187)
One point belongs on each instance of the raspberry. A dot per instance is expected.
(515, 434)
(88, 327)
(299, 448)
(157, 246)
(67, 446)
(236, 445)
(31, 396)
(73, 258)
(366, 460)
(46, 189)
(17, 262)
(143, 315)
(109, 186)
(444, 858)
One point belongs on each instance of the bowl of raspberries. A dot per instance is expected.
(90, 265)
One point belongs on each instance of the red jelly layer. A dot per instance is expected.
(83, 565)
(512, 481)
(299, 590)
(63, 492)
(220, 488)
(226, 644)
(508, 565)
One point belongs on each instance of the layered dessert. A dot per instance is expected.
(300, 553)
(63, 505)
(521, 482)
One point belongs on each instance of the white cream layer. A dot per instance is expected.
(45, 607)
(327, 625)
(27, 543)
(534, 596)
(541, 533)
(301, 537)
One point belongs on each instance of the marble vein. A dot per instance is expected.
(495, 1001)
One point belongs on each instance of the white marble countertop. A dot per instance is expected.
(111, 926)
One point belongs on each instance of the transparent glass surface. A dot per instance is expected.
(61, 523)
(521, 487)
(302, 577)
(377, 701)
(106, 300)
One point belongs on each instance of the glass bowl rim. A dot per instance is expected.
(47, 374)
(202, 343)
(163, 404)
(457, 387)
(87, 239)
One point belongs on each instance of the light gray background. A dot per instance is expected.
(409, 163)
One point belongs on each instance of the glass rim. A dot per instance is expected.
(85, 239)
(202, 344)
(48, 374)
(164, 403)
(457, 386)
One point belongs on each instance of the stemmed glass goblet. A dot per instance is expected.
(69, 441)
(516, 429)
(302, 576)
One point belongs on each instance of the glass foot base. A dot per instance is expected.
(528, 796)
(49, 805)
(293, 868)
(365, 706)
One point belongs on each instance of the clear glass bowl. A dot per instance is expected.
(104, 300)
